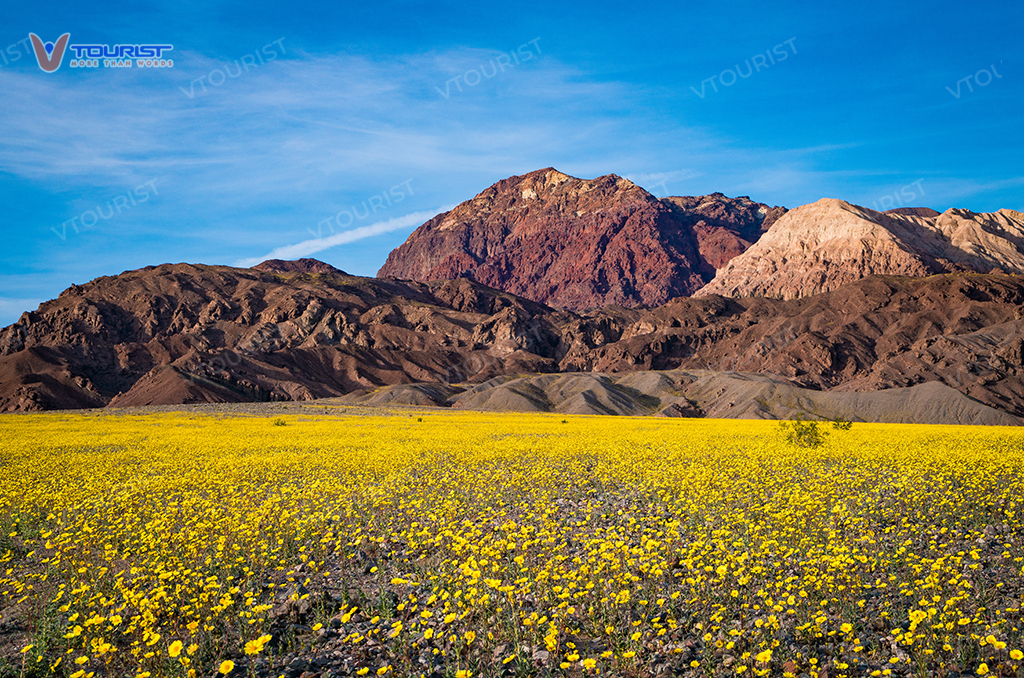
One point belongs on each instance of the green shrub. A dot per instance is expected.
(841, 424)
(803, 433)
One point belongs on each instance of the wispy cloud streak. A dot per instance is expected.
(314, 245)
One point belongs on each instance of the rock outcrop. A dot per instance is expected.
(297, 266)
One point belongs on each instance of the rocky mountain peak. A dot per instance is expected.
(581, 243)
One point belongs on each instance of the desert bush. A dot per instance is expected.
(803, 433)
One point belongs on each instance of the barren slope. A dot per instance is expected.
(830, 243)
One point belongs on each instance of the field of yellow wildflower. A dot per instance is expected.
(469, 544)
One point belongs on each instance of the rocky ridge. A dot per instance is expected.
(187, 333)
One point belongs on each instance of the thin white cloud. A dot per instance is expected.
(307, 119)
(311, 132)
(308, 247)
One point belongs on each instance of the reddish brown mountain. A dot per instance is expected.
(724, 227)
(577, 244)
(182, 333)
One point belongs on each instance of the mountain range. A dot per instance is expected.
(719, 307)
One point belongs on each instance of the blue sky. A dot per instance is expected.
(372, 117)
